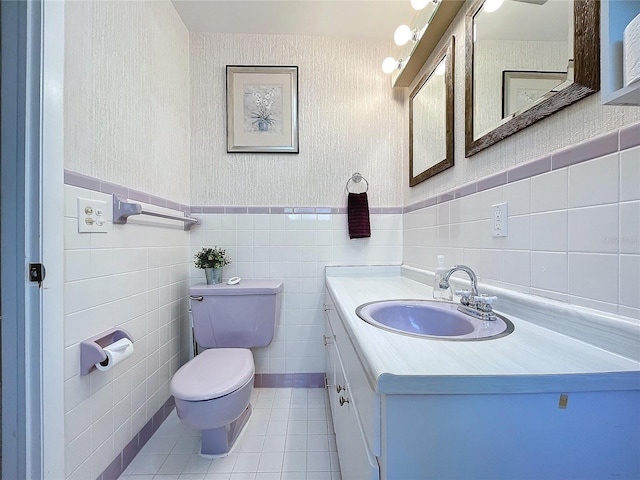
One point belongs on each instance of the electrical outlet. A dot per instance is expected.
(500, 219)
(92, 216)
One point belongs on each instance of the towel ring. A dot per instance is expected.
(357, 178)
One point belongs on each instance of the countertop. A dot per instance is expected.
(532, 359)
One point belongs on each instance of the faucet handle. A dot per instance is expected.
(486, 299)
(465, 296)
(484, 302)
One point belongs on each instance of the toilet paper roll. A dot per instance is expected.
(116, 352)
(631, 52)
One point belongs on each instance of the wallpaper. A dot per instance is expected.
(127, 95)
(350, 120)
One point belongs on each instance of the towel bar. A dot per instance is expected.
(122, 210)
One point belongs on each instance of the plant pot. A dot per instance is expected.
(213, 275)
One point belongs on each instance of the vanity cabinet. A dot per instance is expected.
(409, 409)
(351, 402)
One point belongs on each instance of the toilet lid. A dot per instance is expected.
(213, 373)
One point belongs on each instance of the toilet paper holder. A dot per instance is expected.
(91, 349)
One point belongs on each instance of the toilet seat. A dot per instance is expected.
(212, 374)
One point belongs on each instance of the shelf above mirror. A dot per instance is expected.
(442, 18)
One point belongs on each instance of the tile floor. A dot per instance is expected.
(289, 437)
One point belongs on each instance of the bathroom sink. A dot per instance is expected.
(430, 319)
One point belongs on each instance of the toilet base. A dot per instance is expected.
(218, 441)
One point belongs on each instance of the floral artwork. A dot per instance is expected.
(263, 109)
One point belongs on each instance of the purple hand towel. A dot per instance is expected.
(358, 215)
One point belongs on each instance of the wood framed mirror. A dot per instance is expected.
(431, 118)
(543, 55)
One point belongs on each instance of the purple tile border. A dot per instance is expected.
(83, 181)
(492, 181)
(124, 458)
(258, 210)
(630, 136)
(294, 380)
(530, 169)
(465, 190)
(588, 150)
(622, 139)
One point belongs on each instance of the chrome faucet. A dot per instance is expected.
(444, 283)
(471, 302)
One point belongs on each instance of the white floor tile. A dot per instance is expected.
(318, 461)
(318, 443)
(294, 462)
(270, 462)
(197, 464)
(217, 476)
(274, 443)
(174, 464)
(246, 462)
(296, 443)
(289, 437)
(224, 464)
(186, 445)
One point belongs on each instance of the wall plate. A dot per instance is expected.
(92, 216)
(500, 220)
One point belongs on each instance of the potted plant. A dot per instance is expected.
(212, 260)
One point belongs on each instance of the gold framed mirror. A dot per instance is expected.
(431, 118)
(542, 56)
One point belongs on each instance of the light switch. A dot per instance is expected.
(91, 216)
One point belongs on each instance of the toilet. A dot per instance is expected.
(212, 391)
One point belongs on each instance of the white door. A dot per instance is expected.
(31, 233)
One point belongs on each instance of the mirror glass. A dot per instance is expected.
(431, 119)
(522, 63)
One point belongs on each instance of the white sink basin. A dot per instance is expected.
(430, 319)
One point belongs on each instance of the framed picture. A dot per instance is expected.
(262, 109)
(521, 88)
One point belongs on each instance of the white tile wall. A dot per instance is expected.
(295, 247)
(574, 234)
(134, 277)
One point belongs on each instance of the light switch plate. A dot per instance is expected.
(92, 216)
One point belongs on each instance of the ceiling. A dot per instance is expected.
(347, 18)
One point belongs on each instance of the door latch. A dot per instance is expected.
(37, 273)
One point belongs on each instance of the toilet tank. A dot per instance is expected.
(240, 316)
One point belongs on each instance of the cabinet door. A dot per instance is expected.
(354, 457)
(356, 462)
(332, 367)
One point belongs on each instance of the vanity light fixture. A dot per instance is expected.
(492, 5)
(390, 64)
(403, 34)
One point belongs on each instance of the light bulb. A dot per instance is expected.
(402, 35)
(419, 4)
(389, 64)
(492, 5)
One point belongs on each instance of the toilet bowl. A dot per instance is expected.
(212, 391)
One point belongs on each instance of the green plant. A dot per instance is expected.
(211, 258)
